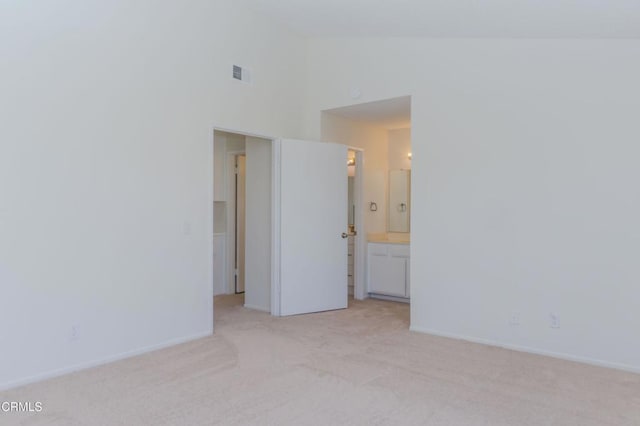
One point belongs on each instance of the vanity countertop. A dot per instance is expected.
(390, 238)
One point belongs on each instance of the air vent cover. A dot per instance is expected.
(237, 72)
(241, 73)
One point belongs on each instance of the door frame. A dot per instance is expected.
(276, 222)
(360, 240)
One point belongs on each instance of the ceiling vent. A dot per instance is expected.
(241, 74)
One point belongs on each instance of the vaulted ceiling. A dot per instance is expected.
(456, 18)
(389, 113)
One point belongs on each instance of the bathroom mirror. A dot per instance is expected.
(399, 200)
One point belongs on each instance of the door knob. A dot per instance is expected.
(344, 235)
(350, 234)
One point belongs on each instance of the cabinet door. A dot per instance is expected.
(387, 275)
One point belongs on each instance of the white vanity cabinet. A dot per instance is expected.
(388, 265)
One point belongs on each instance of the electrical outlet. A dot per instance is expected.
(73, 335)
(514, 319)
(554, 321)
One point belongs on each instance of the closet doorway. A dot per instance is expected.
(242, 219)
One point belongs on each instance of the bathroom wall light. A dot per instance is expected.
(409, 156)
(351, 162)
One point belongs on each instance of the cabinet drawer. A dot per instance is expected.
(399, 250)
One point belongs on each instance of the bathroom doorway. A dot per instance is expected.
(381, 129)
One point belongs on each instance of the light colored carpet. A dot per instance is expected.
(359, 366)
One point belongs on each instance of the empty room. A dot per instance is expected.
(291, 212)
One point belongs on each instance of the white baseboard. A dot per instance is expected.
(257, 308)
(83, 366)
(390, 298)
(518, 348)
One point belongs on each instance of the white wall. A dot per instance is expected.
(257, 279)
(374, 140)
(219, 169)
(399, 148)
(105, 168)
(524, 183)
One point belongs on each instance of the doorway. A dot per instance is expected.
(383, 130)
(242, 232)
(293, 217)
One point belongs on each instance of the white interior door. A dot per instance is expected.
(312, 250)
